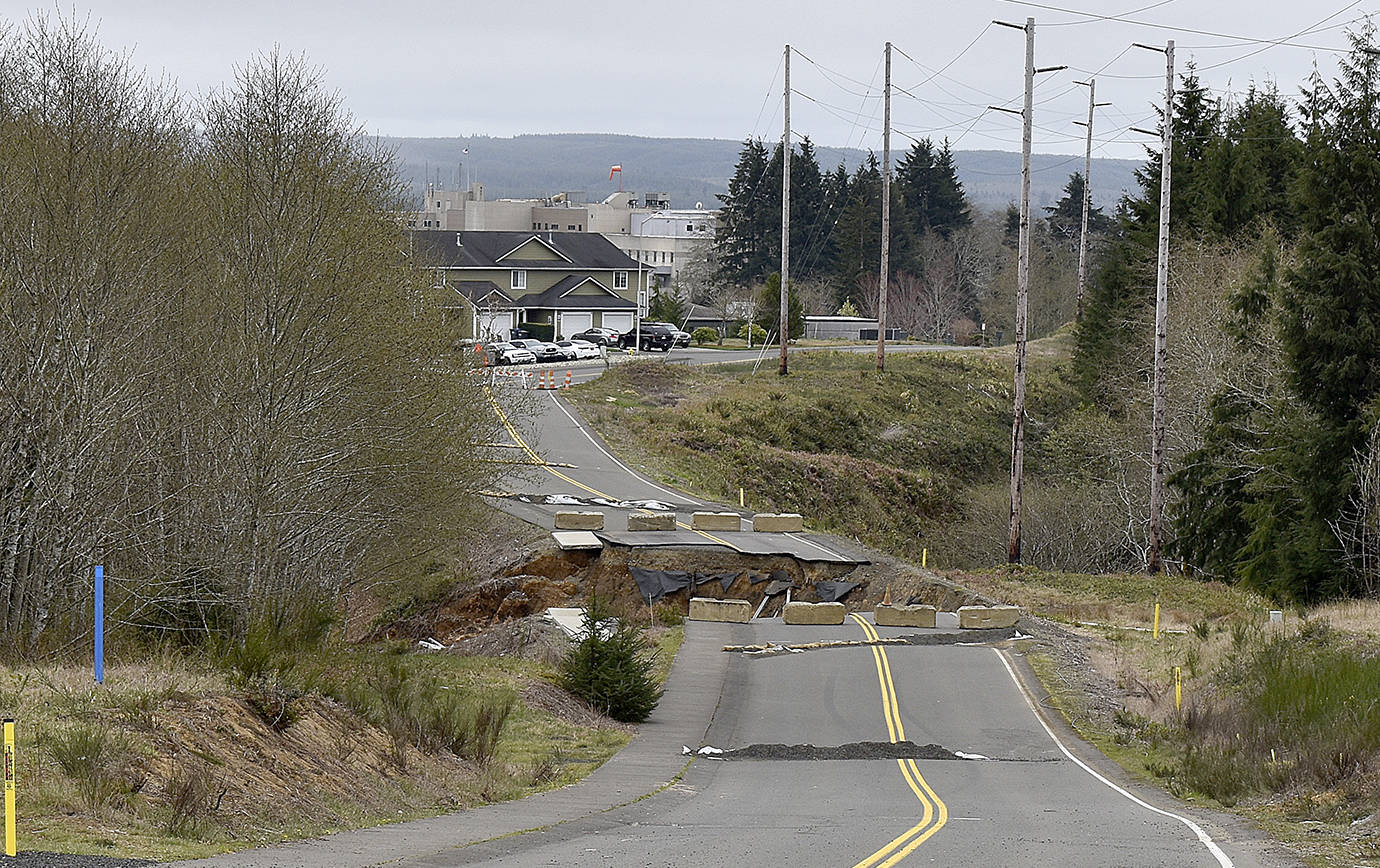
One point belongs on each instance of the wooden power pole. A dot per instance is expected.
(1087, 201)
(1013, 542)
(1153, 561)
(785, 220)
(885, 278)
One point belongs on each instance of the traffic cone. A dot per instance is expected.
(886, 597)
(567, 380)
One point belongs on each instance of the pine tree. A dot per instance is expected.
(740, 242)
(1065, 217)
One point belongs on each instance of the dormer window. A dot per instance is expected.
(620, 280)
(519, 278)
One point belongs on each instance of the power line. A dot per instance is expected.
(1093, 16)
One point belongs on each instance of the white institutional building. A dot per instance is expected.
(647, 229)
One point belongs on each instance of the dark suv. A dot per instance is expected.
(653, 337)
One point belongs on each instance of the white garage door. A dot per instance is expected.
(574, 323)
(619, 322)
(493, 324)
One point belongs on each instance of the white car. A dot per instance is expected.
(578, 349)
(510, 354)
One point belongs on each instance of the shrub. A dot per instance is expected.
(92, 756)
(704, 334)
(612, 668)
(759, 334)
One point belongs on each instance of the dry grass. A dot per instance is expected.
(1352, 616)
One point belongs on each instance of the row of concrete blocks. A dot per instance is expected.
(740, 612)
(763, 522)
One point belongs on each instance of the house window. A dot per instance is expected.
(570, 228)
(519, 279)
(620, 280)
(536, 226)
(689, 227)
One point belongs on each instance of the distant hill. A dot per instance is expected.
(694, 170)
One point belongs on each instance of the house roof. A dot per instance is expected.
(560, 296)
(478, 290)
(474, 249)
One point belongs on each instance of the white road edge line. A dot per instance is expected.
(1204, 837)
(611, 457)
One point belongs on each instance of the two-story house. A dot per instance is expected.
(493, 282)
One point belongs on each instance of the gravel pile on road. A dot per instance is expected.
(859, 750)
(37, 859)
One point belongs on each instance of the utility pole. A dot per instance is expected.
(785, 219)
(885, 279)
(1013, 542)
(1153, 563)
(1087, 195)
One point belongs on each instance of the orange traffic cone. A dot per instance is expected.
(886, 597)
(567, 380)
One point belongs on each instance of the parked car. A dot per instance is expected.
(650, 337)
(607, 337)
(577, 349)
(545, 351)
(508, 354)
(680, 338)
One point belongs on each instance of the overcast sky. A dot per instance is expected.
(712, 68)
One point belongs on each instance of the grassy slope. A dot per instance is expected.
(328, 771)
(883, 458)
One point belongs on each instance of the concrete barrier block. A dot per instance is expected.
(971, 617)
(655, 521)
(904, 616)
(732, 611)
(778, 522)
(715, 521)
(579, 520)
(814, 613)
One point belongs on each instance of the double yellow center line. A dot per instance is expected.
(936, 813)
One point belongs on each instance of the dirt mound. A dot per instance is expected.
(529, 638)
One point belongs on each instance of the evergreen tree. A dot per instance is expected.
(769, 308)
(931, 193)
(1250, 168)
(859, 230)
(1065, 217)
(741, 244)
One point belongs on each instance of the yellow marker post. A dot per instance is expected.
(1178, 688)
(1155, 634)
(924, 557)
(10, 843)
(742, 498)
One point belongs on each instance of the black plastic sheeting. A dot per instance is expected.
(832, 592)
(655, 584)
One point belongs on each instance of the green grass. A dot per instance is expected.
(883, 457)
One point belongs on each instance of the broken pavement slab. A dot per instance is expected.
(971, 617)
(577, 540)
(730, 611)
(572, 520)
(814, 613)
(904, 616)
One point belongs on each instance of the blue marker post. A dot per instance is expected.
(100, 624)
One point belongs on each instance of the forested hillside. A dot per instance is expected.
(696, 170)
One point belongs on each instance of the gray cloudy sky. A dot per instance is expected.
(712, 68)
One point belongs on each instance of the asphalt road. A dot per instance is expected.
(1020, 789)
(1027, 803)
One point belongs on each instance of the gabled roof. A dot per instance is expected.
(562, 296)
(533, 239)
(479, 290)
(474, 249)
